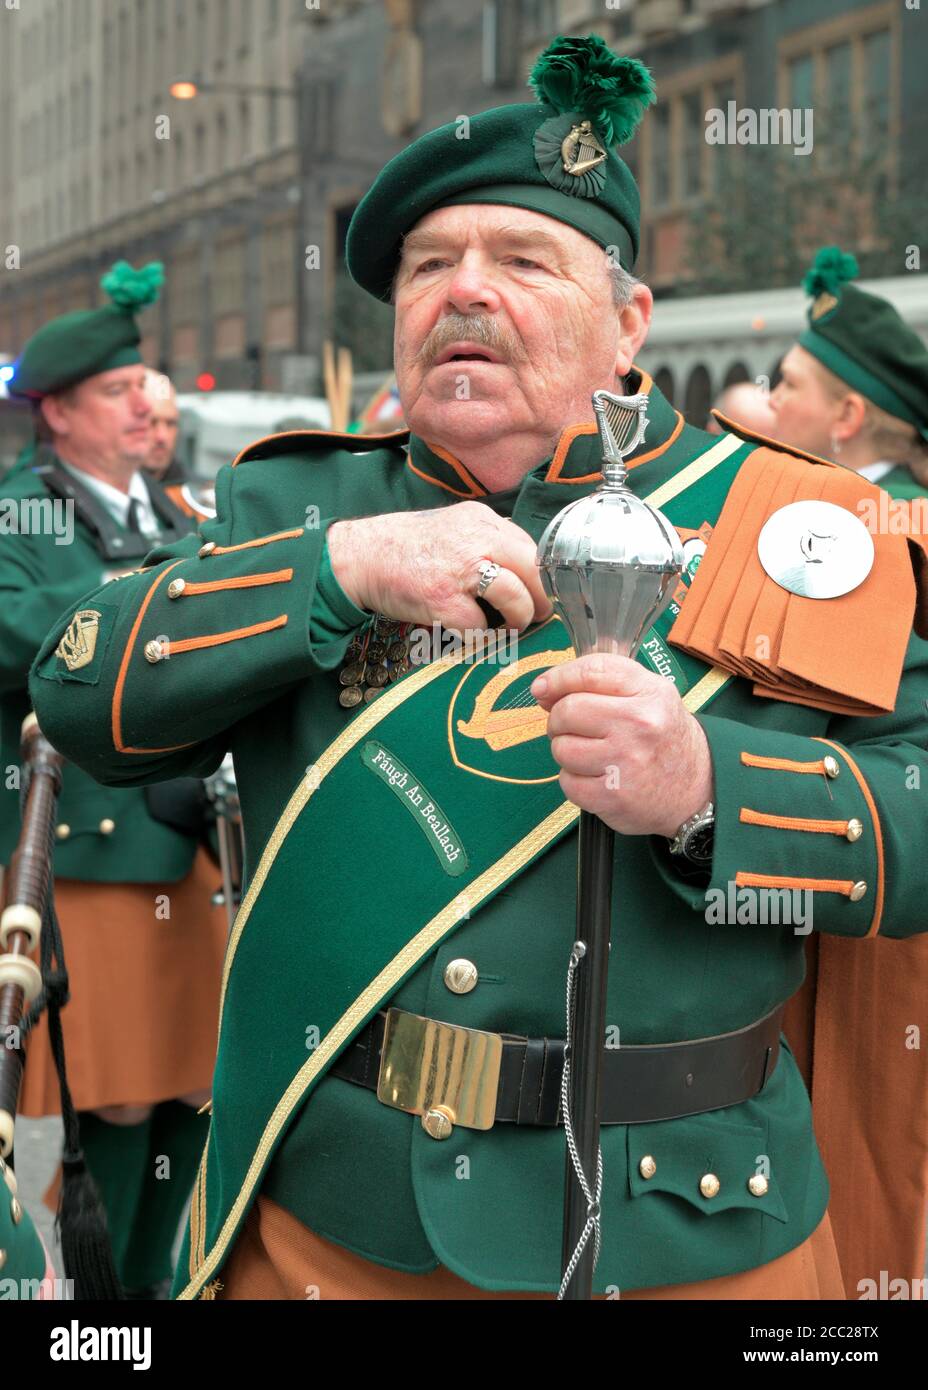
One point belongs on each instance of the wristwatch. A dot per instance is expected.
(696, 837)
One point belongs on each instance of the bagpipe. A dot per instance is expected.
(28, 922)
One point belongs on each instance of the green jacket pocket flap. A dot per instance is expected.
(713, 1162)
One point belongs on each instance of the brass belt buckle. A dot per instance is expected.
(447, 1074)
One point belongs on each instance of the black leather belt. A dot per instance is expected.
(661, 1081)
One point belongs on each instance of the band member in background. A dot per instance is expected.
(133, 885)
(748, 405)
(162, 462)
(855, 386)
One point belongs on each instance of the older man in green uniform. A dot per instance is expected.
(385, 1106)
(134, 901)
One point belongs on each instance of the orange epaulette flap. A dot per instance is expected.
(843, 654)
(309, 441)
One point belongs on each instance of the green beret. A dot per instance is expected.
(555, 156)
(863, 340)
(74, 346)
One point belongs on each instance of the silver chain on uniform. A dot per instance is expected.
(593, 1199)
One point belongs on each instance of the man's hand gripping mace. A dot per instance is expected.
(610, 565)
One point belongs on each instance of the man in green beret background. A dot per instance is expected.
(385, 1111)
(855, 386)
(142, 944)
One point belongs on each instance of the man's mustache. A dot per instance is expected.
(482, 329)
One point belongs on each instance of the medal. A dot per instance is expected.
(815, 549)
(373, 659)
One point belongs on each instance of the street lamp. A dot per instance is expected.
(185, 89)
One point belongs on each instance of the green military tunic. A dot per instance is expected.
(237, 643)
(22, 1254)
(900, 482)
(106, 835)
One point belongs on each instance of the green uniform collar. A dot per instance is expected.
(576, 459)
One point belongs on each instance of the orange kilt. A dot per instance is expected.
(141, 1024)
(277, 1257)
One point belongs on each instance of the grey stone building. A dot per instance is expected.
(248, 199)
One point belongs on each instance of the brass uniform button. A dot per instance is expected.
(832, 766)
(438, 1122)
(107, 826)
(758, 1185)
(206, 549)
(855, 828)
(709, 1185)
(647, 1167)
(62, 831)
(154, 651)
(858, 891)
(349, 697)
(176, 588)
(2, 1258)
(461, 976)
(16, 1212)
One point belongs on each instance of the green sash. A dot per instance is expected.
(446, 781)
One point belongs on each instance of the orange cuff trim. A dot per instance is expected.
(824, 827)
(217, 639)
(245, 581)
(815, 885)
(259, 540)
(783, 764)
(877, 832)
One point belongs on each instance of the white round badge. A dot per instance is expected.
(815, 549)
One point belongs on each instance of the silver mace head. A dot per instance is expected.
(609, 562)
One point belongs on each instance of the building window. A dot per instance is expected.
(539, 17)
(660, 156)
(698, 397)
(842, 70)
(200, 38)
(838, 91)
(680, 167)
(801, 74)
(180, 170)
(222, 142)
(875, 113)
(663, 380)
(244, 126)
(692, 145)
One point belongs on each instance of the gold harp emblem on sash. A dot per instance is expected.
(581, 150)
(79, 642)
(521, 719)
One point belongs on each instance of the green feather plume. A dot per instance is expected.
(831, 269)
(584, 75)
(133, 289)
